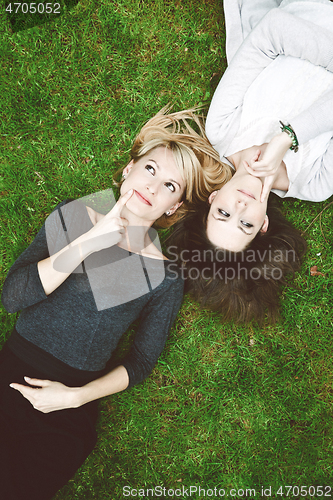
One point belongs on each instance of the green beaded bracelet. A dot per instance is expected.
(289, 130)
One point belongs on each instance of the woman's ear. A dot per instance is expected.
(175, 207)
(211, 197)
(264, 227)
(128, 168)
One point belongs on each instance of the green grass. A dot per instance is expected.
(226, 406)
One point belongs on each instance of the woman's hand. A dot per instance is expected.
(47, 396)
(268, 164)
(109, 230)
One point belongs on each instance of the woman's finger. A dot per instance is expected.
(36, 381)
(266, 188)
(30, 394)
(251, 170)
(116, 211)
(27, 392)
(258, 173)
(260, 166)
(256, 156)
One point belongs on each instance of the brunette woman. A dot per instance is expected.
(271, 120)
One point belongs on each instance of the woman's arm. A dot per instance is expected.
(22, 287)
(315, 183)
(315, 120)
(312, 122)
(47, 396)
(279, 33)
(156, 320)
(35, 274)
(54, 270)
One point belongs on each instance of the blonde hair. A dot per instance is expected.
(198, 163)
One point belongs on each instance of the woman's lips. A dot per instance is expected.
(142, 198)
(247, 193)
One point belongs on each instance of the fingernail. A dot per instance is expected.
(11, 385)
(27, 378)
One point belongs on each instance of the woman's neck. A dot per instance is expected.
(245, 154)
(234, 160)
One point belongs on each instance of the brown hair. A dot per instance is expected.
(196, 159)
(241, 285)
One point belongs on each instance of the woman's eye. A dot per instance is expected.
(223, 212)
(170, 186)
(246, 224)
(150, 169)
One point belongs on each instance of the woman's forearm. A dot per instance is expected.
(54, 270)
(47, 396)
(279, 33)
(315, 120)
(115, 381)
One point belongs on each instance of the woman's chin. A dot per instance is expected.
(140, 216)
(253, 184)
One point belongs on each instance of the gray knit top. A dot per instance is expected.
(68, 326)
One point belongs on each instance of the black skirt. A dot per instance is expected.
(40, 452)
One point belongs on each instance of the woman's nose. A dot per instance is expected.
(151, 187)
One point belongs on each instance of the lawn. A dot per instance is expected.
(226, 406)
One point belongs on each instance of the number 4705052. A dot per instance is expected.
(33, 8)
(308, 491)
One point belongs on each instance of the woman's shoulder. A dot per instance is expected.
(69, 218)
(77, 208)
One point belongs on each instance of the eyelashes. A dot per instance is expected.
(150, 168)
(152, 171)
(246, 224)
(170, 186)
(223, 212)
(226, 215)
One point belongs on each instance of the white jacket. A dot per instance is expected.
(260, 53)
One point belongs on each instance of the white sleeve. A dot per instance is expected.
(241, 16)
(314, 183)
(279, 33)
(315, 120)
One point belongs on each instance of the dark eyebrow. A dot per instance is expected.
(158, 168)
(239, 227)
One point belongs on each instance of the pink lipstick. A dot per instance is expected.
(247, 193)
(142, 198)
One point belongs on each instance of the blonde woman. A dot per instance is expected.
(80, 284)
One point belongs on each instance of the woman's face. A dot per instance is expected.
(157, 183)
(236, 213)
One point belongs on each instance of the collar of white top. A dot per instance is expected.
(225, 160)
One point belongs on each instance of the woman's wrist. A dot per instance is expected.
(115, 381)
(85, 394)
(286, 140)
(283, 142)
(289, 131)
(78, 396)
